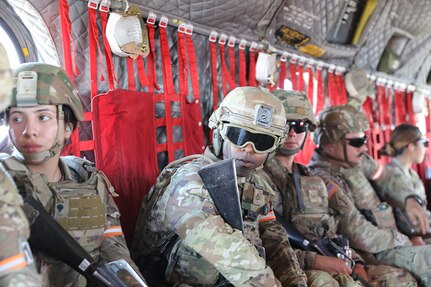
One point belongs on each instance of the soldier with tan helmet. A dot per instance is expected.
(16, 262)
(342, 162)
(44, 111)
(302, 200)
(186, 224)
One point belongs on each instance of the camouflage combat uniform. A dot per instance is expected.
(402, 183)
(309, 212)
(82, 204)
(207, 246)
(16, 262)
(351, 196)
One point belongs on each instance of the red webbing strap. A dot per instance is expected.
(368, 110)
(282, 76)
(332, 88)
(428, 117)
(131, 74)
(169, 92)
(225, 74)
(194, 135)
(93, 37)
(231, 45)
(108, 55)
(66, 38)
(151, 59)
(380, 102)
(300, 78)
(182, 62)
(252, 65)
(320, 105)
(412, 117)
(142, 75)
(341, 88)
(310, 88)
(399, 100)
(293, 75)
(213, 51)
(242, 64)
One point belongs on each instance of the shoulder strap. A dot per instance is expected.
(84, 168)
(12, 164)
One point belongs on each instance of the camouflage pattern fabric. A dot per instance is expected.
(316, 221)
(15, 268)
(208, 247)
(389, 246)
(105, 245)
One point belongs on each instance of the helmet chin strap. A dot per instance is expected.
(41, 157)
(288, 152)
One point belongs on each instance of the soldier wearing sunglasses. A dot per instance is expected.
(404, 189)
(366, 221)
(302, 200)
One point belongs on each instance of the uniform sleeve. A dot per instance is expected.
(280, 255)
(396, 187)
(15, 268)
(305, 258)
(362, 234)
(114, 245)
(190, 212)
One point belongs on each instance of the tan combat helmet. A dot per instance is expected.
(6, 80)
(334, 123)
(43, 84)
(250, 115)
(298, 108)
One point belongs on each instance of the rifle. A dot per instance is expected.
(50, 238)
(338, 247)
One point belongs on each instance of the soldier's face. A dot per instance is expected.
(34, 129)
(245, 157)
(418, 152)
(354, 153)
(294, 140)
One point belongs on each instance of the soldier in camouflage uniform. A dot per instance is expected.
(186, 227)
(368, 223)
(16, 261)
(44, 111)
(407, 146)
(306, 205)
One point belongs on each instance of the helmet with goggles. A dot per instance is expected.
(250, 115)
(5, 79)
(335, 122)
(43, 84)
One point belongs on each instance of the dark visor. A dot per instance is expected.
(357, 142)
(239, 137)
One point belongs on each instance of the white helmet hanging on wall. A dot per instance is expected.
(359, 87)
(127, 34)
(6, 80)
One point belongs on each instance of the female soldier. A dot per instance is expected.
(44, 112)
(407, 146)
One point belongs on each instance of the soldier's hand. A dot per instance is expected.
(417, 215)
(360, 270)
(417, 241)
(331, 265)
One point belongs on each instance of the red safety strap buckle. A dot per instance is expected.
(231, 42)
(294, 59)
(189, 29)
(213, 36)
(93, 4)
(151, 19)
(242, 44)
(182, 28)
(283, 57)
(253, 47)
(163, 21)
(104, 6)
(339, 71)
(223, 38)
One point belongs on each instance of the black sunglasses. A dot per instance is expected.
(357, 142)
(298, 126)
(424, 142)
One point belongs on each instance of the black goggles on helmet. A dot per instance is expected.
(357, 142)
(240, 137)
(297, 126)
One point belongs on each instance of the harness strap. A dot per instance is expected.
(252, 66)
(213, 54)
(242, 63)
